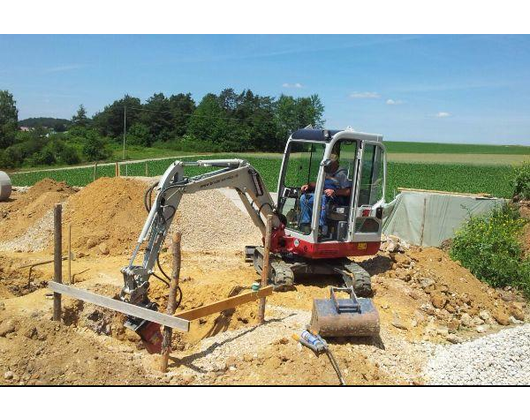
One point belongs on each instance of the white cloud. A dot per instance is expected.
(63, 68)
(394, 102)
(442, 114)
(292, 85)
(365, 95)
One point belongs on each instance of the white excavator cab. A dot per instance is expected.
(347, 220)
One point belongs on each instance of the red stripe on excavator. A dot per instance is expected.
(331, 249)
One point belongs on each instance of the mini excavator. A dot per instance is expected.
(315, 229)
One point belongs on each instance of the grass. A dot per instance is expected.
(465, 158)
(140, 152)
(491, 179)
(412, 147)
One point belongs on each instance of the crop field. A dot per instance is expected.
(413, 147)
(457, 177)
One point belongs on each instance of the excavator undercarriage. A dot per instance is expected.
(284, 269)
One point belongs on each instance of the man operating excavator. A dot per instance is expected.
(337, 187)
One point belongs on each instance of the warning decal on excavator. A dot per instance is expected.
(362, 245)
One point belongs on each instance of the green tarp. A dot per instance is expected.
(428, 218)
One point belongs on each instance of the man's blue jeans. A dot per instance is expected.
(306, 208)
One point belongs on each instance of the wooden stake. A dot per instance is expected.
(58, 261)
(95, 171)
(146, 170)
(172, 300)
(69, 253)
(117, 169)
(265, 268)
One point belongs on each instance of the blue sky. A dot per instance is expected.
(473, 89)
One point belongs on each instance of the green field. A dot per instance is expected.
(492, 179)
(412, 147)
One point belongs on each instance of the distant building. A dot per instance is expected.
(24, 128)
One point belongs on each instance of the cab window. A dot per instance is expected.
(371, 185)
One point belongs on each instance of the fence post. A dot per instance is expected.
(58, 260)
(172, 300)
(95, 171)
(265, 268)
(146, 170)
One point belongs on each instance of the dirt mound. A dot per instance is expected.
(107, 216)
(27, 208)
(36, 351)
(423, 291)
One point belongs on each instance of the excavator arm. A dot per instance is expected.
(233, 173)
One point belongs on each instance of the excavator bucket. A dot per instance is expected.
(351, 317)
(151, 337)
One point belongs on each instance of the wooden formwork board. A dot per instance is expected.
(224, 304)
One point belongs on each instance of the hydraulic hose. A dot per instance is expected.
(147, 203)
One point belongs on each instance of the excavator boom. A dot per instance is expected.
(233, 173)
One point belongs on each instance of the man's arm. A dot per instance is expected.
(308, 187)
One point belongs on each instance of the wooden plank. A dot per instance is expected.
(225, 304)
(480, 195)
(123, 307)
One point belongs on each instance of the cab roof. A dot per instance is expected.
(314, 134)
(326, 136)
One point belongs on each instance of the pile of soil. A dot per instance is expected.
(36, 351)
(422, 291)
(107, 216)
(24, 209)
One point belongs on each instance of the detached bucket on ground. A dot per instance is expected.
(351, 317)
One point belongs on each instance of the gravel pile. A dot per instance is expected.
(496, 359)
(36, 238)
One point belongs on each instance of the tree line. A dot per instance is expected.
(226, 122)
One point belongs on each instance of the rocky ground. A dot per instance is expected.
(439, 324)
